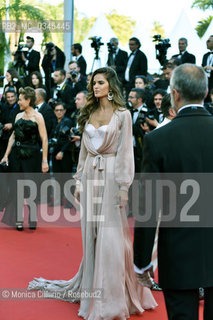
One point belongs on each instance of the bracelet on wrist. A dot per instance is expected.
(45, 161)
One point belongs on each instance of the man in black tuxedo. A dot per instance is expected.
(31, 59)
(77, 52)
(207, 64)
(136, 64)
(44, 108)
(117, 58)
(184, 56)
(185, 259)
(62, 91)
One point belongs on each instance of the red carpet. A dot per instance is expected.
(53, 253)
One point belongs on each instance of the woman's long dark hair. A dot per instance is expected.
(93, 103)
(14, 74)
(39, 76)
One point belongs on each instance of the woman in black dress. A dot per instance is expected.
(23, 152)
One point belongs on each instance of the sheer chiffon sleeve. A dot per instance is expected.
(124, 163)
(81, 162)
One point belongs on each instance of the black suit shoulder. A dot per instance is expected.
(189, 132)
(34, 59)
(204, 60)
(49, 117)
(138, 66)
(188, 58)
(83, 65)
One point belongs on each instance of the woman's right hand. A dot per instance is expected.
(4, 159)
(77, 193)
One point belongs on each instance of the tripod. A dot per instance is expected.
(96, 61)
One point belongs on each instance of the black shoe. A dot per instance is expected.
(19, 226)
(32, 225)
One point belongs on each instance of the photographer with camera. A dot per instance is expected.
(75, 136)
(54, 58)
(77, 53)
(60, 146)
(62, 91)
(30, 58)
(75, 79)
(117, 58)
(156, 112)
(139, 113)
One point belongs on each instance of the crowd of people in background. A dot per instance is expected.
(39, 128)
(61, 93)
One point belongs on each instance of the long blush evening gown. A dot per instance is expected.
(105, 165)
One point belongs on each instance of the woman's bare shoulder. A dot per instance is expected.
(19, 115)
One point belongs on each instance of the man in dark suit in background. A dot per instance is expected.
(31, 59)
(207, 64)
(185, 259)
(44, 108)
(77, 52)
(117, 58)
(136, 64)
(139, 111)
(184, 56)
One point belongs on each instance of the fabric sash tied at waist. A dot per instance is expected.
(99, 160)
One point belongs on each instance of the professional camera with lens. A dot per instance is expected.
(111, 48)
(73, 74)
(96, 44)
(141, 118)
(74, 132)
(52, 103)
(64, 131)
(52, 142)
(18, 55)
(161, 48)
(1, 129)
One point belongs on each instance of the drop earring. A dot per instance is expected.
(110, 95)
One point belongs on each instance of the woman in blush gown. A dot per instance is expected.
(105, 172)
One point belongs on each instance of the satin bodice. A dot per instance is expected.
(26, 138)
(96, 134)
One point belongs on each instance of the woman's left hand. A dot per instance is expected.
(122, 198)
(45, 167)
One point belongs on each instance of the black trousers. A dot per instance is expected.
(62, 170)
(184, 304)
